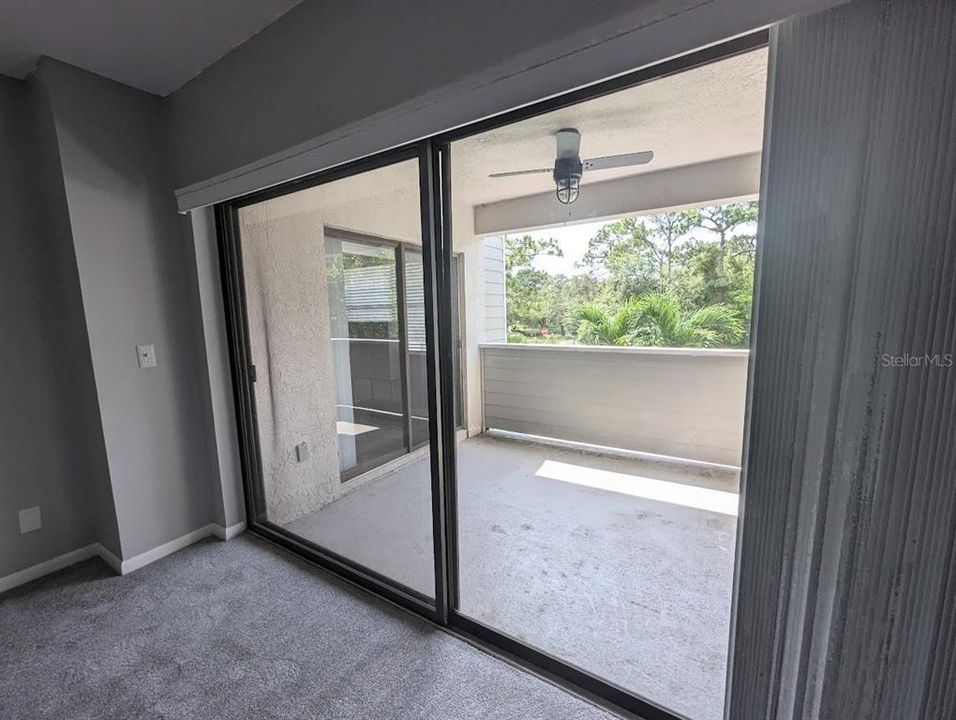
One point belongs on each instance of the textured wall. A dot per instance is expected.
(283, 249)
(846, 606)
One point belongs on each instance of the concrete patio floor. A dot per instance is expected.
(621, 567)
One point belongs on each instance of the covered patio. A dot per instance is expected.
(622, 566)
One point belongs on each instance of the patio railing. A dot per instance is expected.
(685, 403)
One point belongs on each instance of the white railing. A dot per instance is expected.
(680, 402)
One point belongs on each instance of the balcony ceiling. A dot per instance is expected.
(711, 112)
(153, 45)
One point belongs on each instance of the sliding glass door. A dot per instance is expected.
(503, 385)
(331, 283)
(597, 492)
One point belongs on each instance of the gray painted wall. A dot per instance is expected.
(137, 273)
(296, 64)
(51, 443)
(682, 403)
(846, 605)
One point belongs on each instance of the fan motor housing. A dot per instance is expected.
(568, 168)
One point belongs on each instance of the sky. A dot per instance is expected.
(573, 240)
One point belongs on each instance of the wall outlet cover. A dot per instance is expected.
(30, 519)
(302, 452)
(146, 356)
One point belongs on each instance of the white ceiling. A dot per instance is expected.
(153, 45)
(711, 112)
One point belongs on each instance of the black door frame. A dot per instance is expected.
(434, 163)
(244, 376)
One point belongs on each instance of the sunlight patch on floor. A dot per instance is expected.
(344, 427)
(717, 501)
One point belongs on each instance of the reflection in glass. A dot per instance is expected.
(335, 313)
(366, 353)
(417, 371)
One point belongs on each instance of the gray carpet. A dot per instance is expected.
(242, 630)
(631, 588)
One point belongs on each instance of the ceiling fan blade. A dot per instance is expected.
(616, 161)
(521, 172)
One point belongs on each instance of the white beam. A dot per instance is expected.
(710, 182)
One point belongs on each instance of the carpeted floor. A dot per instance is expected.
(243, 630)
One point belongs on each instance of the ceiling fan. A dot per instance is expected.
(568, 166)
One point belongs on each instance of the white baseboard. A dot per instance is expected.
(46, 567)
(161, 551)
(109, 558)
(121, 567)
(228, 533)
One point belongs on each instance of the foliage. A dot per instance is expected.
(529, 291)
(657, 280)
(660, 321)
(599, 327)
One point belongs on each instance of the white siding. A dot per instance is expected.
(686, 404)
(493, 269)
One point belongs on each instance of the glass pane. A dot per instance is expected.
(605, 324)
(417, 369)
(366, 353)
(335, 315)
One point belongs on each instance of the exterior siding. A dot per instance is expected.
(683, 403)
(493, 269)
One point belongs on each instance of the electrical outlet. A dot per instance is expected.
(302, 452)
(146, 356)
(30, 519)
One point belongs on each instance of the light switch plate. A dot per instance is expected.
(146, 356)
(30, 519)
(302, 452)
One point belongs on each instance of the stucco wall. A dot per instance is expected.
(283, 252)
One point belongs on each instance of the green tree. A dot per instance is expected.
(527, 290)
(632, 259)
(722, 220)
(623, 255)
(666, 230)
(599, 327)
(659, 321)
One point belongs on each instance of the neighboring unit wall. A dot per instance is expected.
(137, 274)
(493, 268)
(682, 403)
(51, 444)
(846, 598)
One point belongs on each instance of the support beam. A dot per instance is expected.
(712, 182)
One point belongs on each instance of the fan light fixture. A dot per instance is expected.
(568, 166)
(568, 170)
